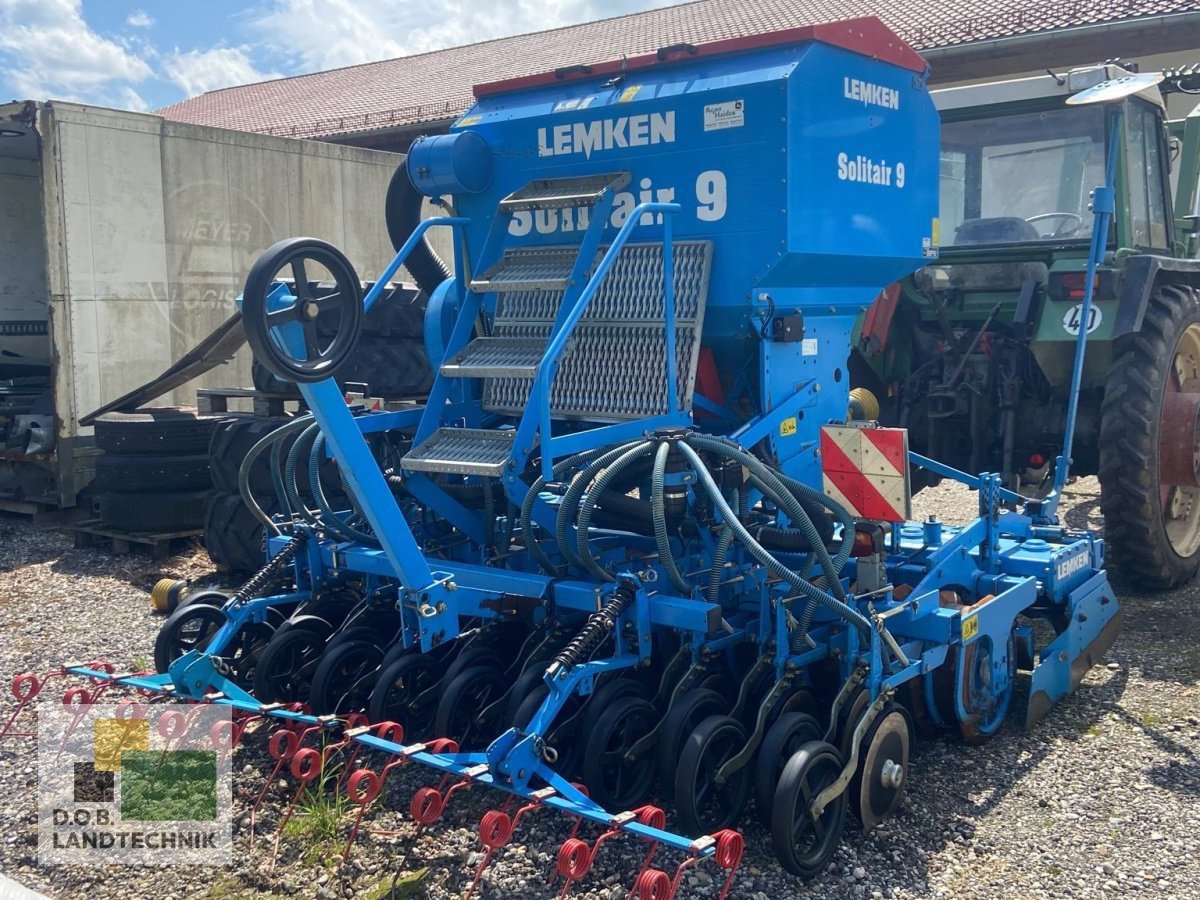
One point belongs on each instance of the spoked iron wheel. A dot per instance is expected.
(614, 780)
(804, 843)
(1149, 490)
(345, 678)
(287, 665)
(704, 803)
(407, 692)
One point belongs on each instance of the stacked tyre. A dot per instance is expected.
(233, 536)
(152, 475)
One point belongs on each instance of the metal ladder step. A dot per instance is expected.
(529, 269)
(462, 451)
(558, 193)
(497, 357)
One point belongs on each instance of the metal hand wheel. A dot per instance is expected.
(278, 329)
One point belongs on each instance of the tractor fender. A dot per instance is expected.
(1139, 275)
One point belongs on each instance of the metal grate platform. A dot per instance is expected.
(529, 269)
(494, 357)
(465, 451)
(612, 370)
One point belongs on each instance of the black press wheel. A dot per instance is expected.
(287, 665)
(606, 695)
(613, 779)
(407, 692)
(189, 628)
(1151, 512)
(704, 803)
(689, 711)
(804, 844)
(878, 785)
(336, 300)
(345, 677)
(459, 709)
(791, 731)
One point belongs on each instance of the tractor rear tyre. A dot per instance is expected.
(1152, 529)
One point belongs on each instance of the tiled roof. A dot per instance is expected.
(434, 86)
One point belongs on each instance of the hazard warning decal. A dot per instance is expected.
(866, 470)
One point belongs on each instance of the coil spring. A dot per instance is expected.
(599, 626)
(260, 579)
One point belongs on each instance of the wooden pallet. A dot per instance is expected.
(94, 533)
(216, 400)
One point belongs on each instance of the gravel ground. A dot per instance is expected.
(1099, 800)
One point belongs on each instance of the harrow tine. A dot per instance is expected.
(25, 688)
(78, 698)
(305, 768)
(364, 786)
(495, 831)
(552, 875)
(654, 817)
(282, 746)
(655, 884)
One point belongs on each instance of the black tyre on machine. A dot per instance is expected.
(407, 692)
(287, 665)
(704, 802)
(789, 733)
(804, 844)
(688, 712)
(345, 677)
(614, 779)
(1152, 526)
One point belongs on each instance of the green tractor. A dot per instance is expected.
(973, 354)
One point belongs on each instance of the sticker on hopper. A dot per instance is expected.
(731, 114)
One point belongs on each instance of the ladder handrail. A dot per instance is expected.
(549, 364)
(453, 222)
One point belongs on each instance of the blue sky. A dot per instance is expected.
(150, 53)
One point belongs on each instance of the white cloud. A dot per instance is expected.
(139, 18)
(329, 33)
(50, 52)
(198, 71)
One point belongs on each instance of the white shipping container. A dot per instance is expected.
(124, 241)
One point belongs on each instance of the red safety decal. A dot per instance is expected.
(866, 470)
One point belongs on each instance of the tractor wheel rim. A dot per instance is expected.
(1180, 504)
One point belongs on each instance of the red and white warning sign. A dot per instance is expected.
(866, 470)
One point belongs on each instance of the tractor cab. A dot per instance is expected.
(974, 352)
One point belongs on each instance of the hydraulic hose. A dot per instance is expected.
(597, 489)
(307, 436)
(720, 554)
(659, 509)
(257, 582)
(248, 464)
(760, 553)
(526, 515)
(766, 480)
(343, 528)
(570, 501)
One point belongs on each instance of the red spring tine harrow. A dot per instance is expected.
(576, 857)
(655, 884)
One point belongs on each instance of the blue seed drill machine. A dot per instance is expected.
(632, 547)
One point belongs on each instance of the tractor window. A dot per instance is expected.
(1144, 170)
(1021, 177)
